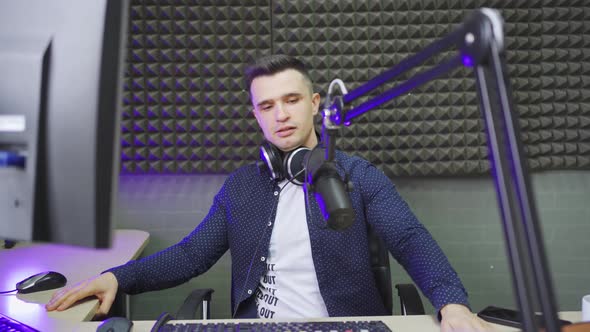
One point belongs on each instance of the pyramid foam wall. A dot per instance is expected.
(186, 110)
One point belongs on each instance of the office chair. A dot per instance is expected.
(197, 304)
(410, 302)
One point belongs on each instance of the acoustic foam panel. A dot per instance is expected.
(185, 107)
(186, 111)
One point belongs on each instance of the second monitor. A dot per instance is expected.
(60, 104)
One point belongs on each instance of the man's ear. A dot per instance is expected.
(315, 102)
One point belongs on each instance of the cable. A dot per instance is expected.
(9, 291)
(294, 177)
(340, 85)
(327, 108)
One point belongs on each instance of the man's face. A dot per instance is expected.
(284, 107)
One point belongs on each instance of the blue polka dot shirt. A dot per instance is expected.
(241, 220)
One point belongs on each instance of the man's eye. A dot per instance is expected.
(292, 100)
(266, 108)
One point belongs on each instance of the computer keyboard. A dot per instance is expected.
(336, 326)
(9, 324)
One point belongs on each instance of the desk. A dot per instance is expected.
(76, 263)
(395, 323)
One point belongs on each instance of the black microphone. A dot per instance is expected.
(330, 191)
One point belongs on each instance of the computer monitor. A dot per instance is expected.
(61, 75)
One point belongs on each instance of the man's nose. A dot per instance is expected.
(281, 113)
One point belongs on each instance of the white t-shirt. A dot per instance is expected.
(289, 288)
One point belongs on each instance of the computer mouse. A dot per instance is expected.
(41, 281)
(115, 324)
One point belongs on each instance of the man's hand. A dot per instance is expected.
(457, 317)
(103, 286)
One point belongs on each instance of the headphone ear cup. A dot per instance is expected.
(271, 156)
(293, 165)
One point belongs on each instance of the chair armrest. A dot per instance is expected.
(409, 299)
(192, 303)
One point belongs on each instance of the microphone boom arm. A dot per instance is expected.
(480, 42)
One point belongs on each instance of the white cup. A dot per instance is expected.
(586, 308)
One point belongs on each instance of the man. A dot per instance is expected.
(285, 262)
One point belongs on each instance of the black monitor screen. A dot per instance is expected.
(61, 68)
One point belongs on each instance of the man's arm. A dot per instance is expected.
(192, 256)
(408, 241)
(416, 250)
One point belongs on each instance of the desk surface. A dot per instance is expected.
(395, 323)
(76, 263)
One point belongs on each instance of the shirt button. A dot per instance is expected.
(263, 258)
(249, 291)
(276, 193)
(269, 223)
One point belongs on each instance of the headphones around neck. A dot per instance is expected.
(284, 165)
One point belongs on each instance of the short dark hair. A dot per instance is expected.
(272, 64)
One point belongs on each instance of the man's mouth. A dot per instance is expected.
(285, 131)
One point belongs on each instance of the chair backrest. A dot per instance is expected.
(380, 265)
(410, 302)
